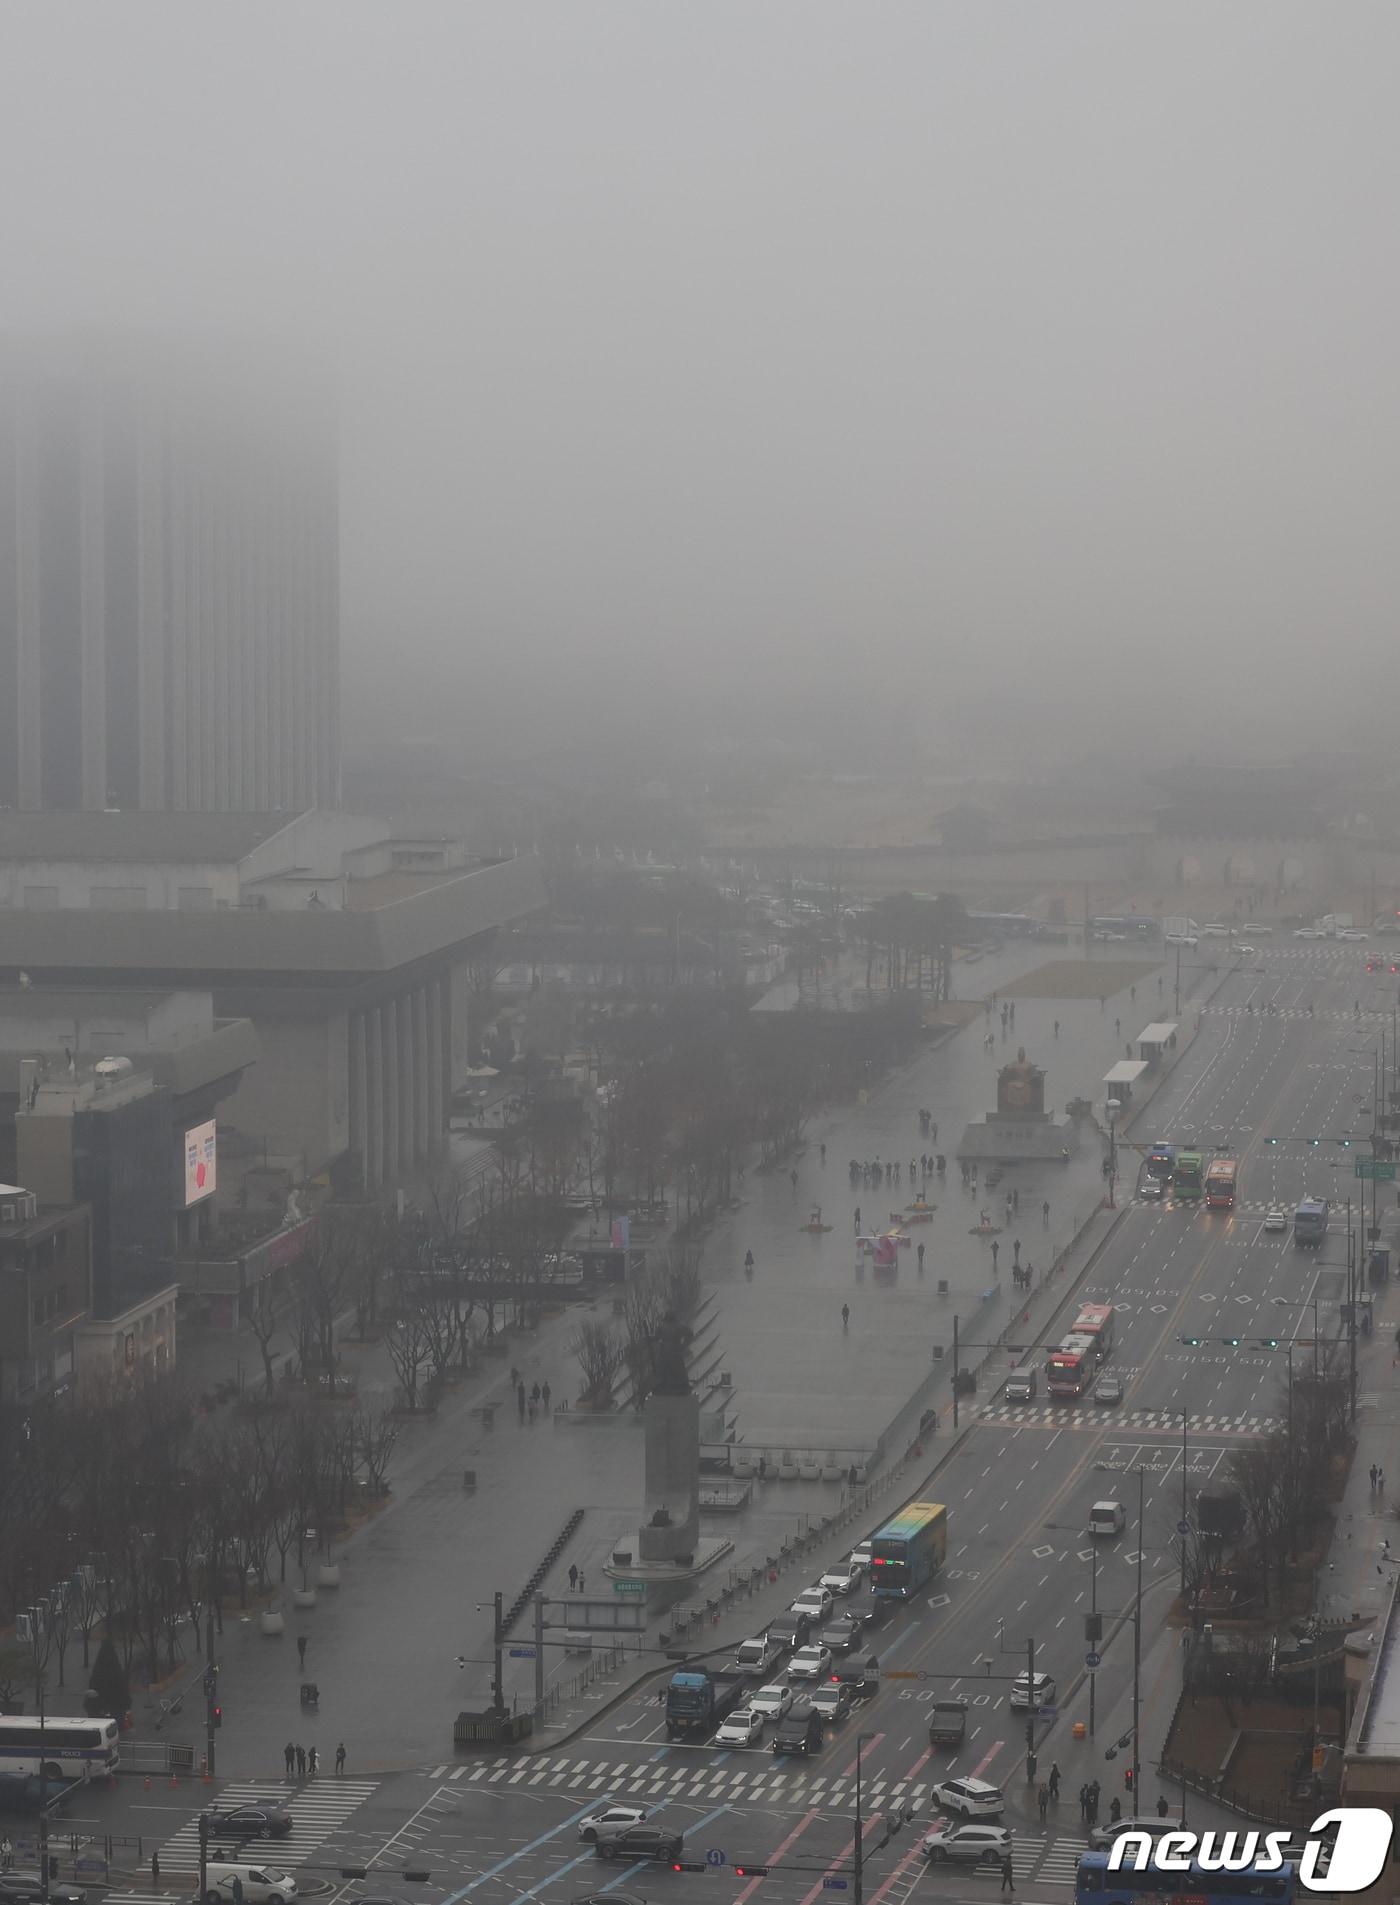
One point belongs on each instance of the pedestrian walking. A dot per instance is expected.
(1045, 1211)
(845, 1316)
(823, 1154)
(1057, 1028)
(1115, 1810)
(301, 1650)
(289, 1754)
(237, 1890)
(996, 1251)
(573, 1576)
(311, 1762)
(580, 1580)
(7, 1853)
(1042, 1799)
(301, 1762)
(1373, 1478)
(1008, 1876)
(857, 1220)
(921, 1259)
(933, 1130)
(514, 1375)
(793, 1175)
(1016, 1249)
(1084, 1801)
(1117, 1028)
(340, 1759)
(1055, 1781)
(155, 1870)
(544, 1395)
(1162, 1807)
(535, 1393)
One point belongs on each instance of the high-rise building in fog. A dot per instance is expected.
(169, 578)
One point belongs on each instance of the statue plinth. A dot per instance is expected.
(1020, 1130)
(672, 1424)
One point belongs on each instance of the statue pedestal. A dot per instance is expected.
(672, 1427)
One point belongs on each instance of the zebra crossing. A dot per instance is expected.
(317, 1811)
(1122, 1422)
(1292, 1012)
(1243, 1207)
(757, 1780)
(1061, 1862)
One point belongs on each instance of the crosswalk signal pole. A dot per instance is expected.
(211, 1691)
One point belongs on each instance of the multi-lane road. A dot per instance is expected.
(1263, 1083)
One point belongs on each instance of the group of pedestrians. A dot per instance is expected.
(575, 1578)
(304, 1762)
(1377, 1479)
(532, 1402)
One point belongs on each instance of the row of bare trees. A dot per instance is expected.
(127, 1510)
(670, 1293)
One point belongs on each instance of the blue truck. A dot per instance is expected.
(698, 1699)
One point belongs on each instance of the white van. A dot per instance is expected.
(1107, 1518)
(262, 1884)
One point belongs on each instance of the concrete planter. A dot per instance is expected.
(743, 1468)
(328, 1574)
(304, 1597)
(787, 1470)
(271, 1621)
(833, 1472)
(810, 1471)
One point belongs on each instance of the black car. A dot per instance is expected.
(841, 1634)
(641, 1842)
(247, 1822)
(27, 1888)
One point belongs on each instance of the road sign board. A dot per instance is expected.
(1048, 1713)
(1093, 1660)
(1183, 1527)
(714, 1856)
(522, 1653)
(629, 1587)
(1380, 1169)
(833, 1885)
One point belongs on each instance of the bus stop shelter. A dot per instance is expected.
(1154, 1039)
(1119, 1079)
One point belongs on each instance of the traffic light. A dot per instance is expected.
(1314, 1144)
(1231, 1342)
(688, 1865)
(218, 1716)
(1268, 1342)
(1273, 1140)
(751, 1871)
(1128, 1777)
(1191, 1342)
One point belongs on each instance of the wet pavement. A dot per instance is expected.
(418, 1579)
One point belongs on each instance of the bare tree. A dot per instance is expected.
(599, 1352)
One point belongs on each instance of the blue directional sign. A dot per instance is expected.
(522, 1653)
(1049, 1713)
(833, 1885)
(714, 1856)
(1093, 1660)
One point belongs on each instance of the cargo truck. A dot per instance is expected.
(698, 1699)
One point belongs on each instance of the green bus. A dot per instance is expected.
(1187, 1181)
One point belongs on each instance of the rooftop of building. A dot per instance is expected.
(105, 838)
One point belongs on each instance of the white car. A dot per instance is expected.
(815, 1602)
(971, 1845)
(1275, 1218)
(844, 1578)
(810, 1663)
(860, 1556)
(741, 1728)
(612, 1819)
(969, 1798)
(1352, 933)
(1306, 932)
(1245, 952)
(1024, 1696)
(771, 1703)
(1215, 931)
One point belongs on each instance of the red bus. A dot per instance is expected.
(1095, 1320)
(1222, 1176)
(1070, 1369)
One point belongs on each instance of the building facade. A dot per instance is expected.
(45, 1293)
(169, 578)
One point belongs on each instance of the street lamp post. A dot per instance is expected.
(1113, 1107)
(1137, 1636)
(1182, 1530)
(858, 1863)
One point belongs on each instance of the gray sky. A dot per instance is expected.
(945, 344)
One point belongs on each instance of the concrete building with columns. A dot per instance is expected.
(169, 575)
(350, 950)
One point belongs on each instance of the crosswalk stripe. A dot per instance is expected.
(317, 1810)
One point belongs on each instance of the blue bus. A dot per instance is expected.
(1161, 1162)
(1095, 1884)
(1310, 1221)
(908, 1550)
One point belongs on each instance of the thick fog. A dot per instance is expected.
(1032, 365)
